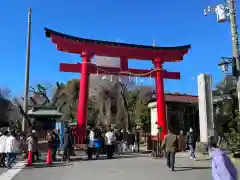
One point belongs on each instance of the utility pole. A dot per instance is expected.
(229, 11)
(27, 69)
(235, 45)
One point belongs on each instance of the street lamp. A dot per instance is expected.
(227, 13)
(223, 65)
(221, 11)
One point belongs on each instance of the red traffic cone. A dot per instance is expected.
(49, 157)
(30, 158)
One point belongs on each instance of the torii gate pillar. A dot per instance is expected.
(161, 111)
(83, 97)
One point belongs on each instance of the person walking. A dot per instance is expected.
(22, 142)
(109, 140)
(124, 135)
(138, 141)
(222, 166)
(132, 141)
(56, 144)
(129, 140)
(97, 144)
(32, 146)
(181, 141)
(91, 135)
(170, 143)
(3, 139)
(88, 130)
(73, 153)
(67, 144)
(118, 142)
(191, 142)
(11, 149)
(35, 141)
(50, 140)
(102, 137)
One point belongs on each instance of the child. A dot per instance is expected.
(222, 166)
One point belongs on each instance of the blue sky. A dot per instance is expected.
(169, 23)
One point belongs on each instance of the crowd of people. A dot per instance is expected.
(110, 141)
(32, 142)
(14, 143)
(9, 147)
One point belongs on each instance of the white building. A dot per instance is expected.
(181, 113)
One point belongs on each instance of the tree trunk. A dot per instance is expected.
(128, 123)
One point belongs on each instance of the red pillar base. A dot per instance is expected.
(81, 135)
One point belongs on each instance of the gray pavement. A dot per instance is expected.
(3, 170)
(132, 166)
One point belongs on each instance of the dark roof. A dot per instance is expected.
(44, 113)
(181, 98)
(178, 98)
(49, 32)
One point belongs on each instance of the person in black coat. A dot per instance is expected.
(138, 140)
(191, 142)
(67, 144)
(118, 145)
(35, 137)
(132, 141)
(124, 135)
(56, 144)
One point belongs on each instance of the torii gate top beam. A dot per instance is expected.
(76, 68)
(71, 44)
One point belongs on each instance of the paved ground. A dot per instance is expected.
(2, 170)
(134, 166)
(19, 163)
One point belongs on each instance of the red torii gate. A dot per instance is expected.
(87, 48)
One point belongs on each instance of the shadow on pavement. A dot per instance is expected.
(204, 159)
(105, 158)
(42, 165)
(191, 168)
(198, 158)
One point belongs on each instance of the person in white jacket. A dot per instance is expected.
(11, 149)
(3, 138)
(109, 142)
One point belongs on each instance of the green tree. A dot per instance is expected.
(110, 102)
(227, 117)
